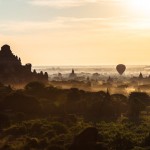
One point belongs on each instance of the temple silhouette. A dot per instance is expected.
(13, 72)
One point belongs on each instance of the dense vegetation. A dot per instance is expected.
(48, 118)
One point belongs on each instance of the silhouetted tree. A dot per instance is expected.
(34, 86)
(4, 120)
(119, 103)
(19, 102)
(137, 101)
(74, 94)
(36, 89)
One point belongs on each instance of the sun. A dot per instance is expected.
(140, 6)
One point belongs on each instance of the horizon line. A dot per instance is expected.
(88, 65)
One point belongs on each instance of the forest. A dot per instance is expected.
(43, 117)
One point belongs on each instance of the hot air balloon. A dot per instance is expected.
(121, 68)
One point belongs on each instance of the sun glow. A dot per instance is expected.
(140, 6)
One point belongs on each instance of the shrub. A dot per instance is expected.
(16, 130)
(59, 128)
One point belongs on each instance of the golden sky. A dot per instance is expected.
(77, 32)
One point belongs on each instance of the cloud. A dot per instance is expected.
(58, 23)
(67, 3)
(61, 3)
(70, 24)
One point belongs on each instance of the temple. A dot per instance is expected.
(72, 75)
(13, 72)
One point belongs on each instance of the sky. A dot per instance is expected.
(77, 32)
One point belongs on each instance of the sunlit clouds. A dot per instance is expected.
(60, 3)
(68, 3)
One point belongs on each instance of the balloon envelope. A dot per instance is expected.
(121, 68)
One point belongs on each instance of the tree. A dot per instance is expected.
(137, 102)
(34, 86)
(19, 102)
(74, 95)
(120, 103)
